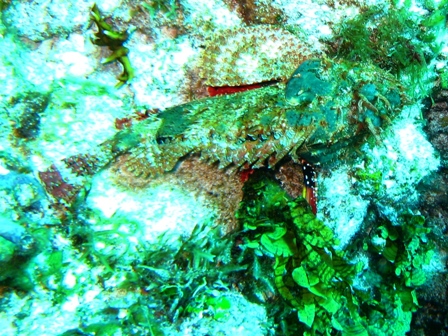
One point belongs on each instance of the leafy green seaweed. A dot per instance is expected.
(321, 283)
(114, 40)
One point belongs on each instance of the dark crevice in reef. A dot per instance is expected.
(432, 316)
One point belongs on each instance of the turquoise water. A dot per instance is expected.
(135, 201)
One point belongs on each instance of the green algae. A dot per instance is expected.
(319, 282)
(391, 38)
(114, 40)
(167, 7)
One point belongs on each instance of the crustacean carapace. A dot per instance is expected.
(325, 106)
(324, 109)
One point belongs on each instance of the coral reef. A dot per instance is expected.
(118, 206)
(217, 188)
(437, 127)
(249, 55)
(27, 112)
(43, 19)
(291, 178)
(254, 12)
(222, 190)
(433, 204)
(22, 198)
(56, 186)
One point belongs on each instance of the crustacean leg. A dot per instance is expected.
(363, 105)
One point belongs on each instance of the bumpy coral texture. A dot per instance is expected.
(250, 55)
(291, 178)
(437, 126)
(224, 190)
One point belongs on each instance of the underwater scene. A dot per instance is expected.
(223, 167)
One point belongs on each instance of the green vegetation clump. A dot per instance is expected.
(28, 110)
(290, 250)
(21, 260)
(183, 283)
(444, 80)
(392, 37)
(180, 280)
(114, 40)
(406, 249)
(166, 7)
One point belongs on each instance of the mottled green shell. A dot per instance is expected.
(325, 107)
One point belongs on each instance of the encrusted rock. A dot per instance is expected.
(437, 127)
(257, 11)
(291, 178)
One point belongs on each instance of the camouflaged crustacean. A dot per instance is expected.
(325, 107)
